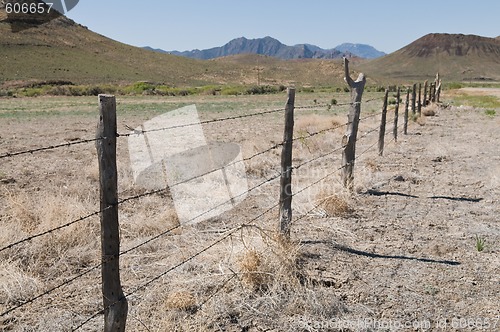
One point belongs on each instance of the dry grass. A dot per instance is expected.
(335, 205)
(430, 110)
(181, 300)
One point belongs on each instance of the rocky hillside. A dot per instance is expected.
(456, 57)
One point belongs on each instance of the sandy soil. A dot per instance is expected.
(403, 257)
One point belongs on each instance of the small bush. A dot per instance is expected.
(490, 112)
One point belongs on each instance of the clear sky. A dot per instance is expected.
(188, 24)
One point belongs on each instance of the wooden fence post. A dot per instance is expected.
(425, 92)
(286, 168)
(381, 133)
(419, 106)
(432, 96)
(413, 99)
(350, 137)
(396, 116)
(115, 303)
(405, 125)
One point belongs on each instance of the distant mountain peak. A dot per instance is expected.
(361, 50)
(272, 47)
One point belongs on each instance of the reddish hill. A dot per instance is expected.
(456, 56)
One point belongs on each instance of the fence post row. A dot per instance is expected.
(115, 303)
(381, 133)
(285, 203)
(349, 139)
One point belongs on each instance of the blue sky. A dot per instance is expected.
(189, 24)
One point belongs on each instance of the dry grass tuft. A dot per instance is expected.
(335, 205)
(250, 264)
(316, 122)
(430, 110)
(16, 285)
(182, 301)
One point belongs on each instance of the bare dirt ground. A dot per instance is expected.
(399, 254)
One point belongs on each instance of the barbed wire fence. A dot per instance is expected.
(285, 170)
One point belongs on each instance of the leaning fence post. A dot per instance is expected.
(396, 116)
(405, 125)
(350, 137)
(381, 133)
(285, 202)
(115, 303)
(438, 91)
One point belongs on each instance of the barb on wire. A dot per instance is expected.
(50, 147)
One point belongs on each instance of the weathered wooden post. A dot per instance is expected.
(413, 99)
(426, 83)
(381, 133)
(432, 96)
(350, 137)
(115, 303)
(419, 106)
(285, 218)
(396, 116)
(405, 125)
(438, 91)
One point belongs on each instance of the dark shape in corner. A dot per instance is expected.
(27, 14)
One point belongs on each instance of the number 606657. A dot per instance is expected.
(28, 8)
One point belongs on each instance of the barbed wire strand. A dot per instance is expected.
(136, 132)
(50, 147)
(29, 238)
(50, 290)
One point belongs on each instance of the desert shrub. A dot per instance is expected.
(232, 91)
(262, 89)
(31, 92)
(307, 89)
(140, 88)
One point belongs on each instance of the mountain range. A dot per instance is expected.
(64, 51)
(272, 47)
